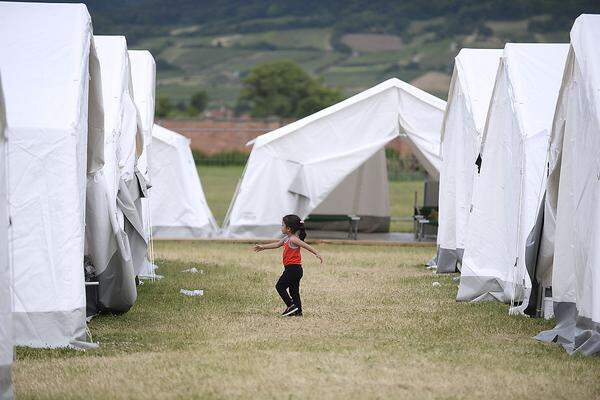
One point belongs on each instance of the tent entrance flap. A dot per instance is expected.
(364, 193)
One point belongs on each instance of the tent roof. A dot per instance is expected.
(143, 76)
(535, 73)
(112, 54)
(584, 41)
(426, 144)
(121, 123)
(390, 83)
(56, 36)
(477, 71)
(169, 137)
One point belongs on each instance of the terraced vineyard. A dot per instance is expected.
(189, 61)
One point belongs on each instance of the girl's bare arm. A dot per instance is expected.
(274, 245)
(306, 246)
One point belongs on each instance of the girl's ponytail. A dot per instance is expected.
(302, 231)
(296, 225)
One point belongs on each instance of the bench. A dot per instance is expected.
(424, 216)
(353, 221)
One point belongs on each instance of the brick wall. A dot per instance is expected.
(214, 136)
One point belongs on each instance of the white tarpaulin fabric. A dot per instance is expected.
(364, 193)
(462, 131)
(107, 242)
(6, 333)
(508, 190)
(102, 229)
(179, 207)
(572, 211)
(47, 77)
(294, 168)
(143, 74)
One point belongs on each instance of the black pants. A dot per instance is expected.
(290, 279)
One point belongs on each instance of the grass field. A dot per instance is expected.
(374, 327)
(220, 182)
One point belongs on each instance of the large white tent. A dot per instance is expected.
(50, 77)
(295, 168)
(568, 255)
(143, 74)
(6, 333)
(509, 188)
(108, 245)
(179, 207)
(462, 131)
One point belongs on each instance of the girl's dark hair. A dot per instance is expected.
(296, 225)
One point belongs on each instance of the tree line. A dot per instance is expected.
(274, 89)
(143, 18)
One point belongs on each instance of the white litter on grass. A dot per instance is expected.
(150, 278)
(197, 292)
(436, 284)
(456, 279)
(432, 267)
(193, 271)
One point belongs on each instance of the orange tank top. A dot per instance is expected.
(291, 255)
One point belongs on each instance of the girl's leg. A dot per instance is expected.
(296, 275)
(282, 284)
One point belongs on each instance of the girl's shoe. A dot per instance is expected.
(289, 311)
(298, 313)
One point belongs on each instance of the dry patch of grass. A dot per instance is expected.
(374, 327)
(432, 81)
(372, 42)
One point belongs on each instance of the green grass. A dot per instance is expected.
(219, 185)
(374, 327)
(220, 182)
(183, 90)
(402, 199)
(381, 57)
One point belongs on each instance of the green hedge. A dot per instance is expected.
(222, 158)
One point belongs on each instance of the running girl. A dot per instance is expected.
(293, 228)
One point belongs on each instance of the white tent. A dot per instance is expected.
(108, 245)
(49, 74)
(462, 130)
(179, 207)
(509, 188)
(6, 334)
(143, 74)
(295, 168)
(568, 256)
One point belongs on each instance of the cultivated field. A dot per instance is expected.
(374, 327)
(189, 60)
